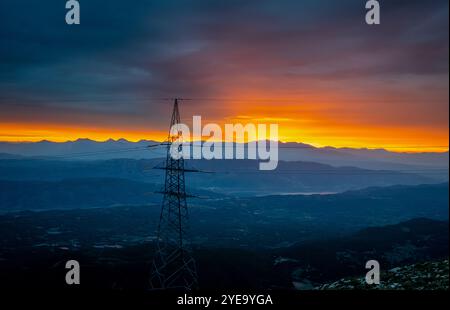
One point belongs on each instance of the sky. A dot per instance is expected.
(312, 66)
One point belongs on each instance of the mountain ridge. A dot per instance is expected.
(432, 165)
(236, 177)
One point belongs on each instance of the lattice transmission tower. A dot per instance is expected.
(173, 266)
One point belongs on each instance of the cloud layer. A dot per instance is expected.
(316, 62)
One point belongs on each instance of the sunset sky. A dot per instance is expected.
(314, 67)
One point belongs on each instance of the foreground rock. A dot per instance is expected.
(420, 276)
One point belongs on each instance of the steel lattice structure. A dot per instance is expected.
(173, 265)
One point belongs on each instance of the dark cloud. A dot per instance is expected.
(125, 55)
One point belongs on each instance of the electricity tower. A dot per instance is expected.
(173, 266)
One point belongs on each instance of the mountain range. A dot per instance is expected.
(225, 177)
(85, 149)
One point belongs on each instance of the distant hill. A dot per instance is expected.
(73, 193)
(257, 222)
(78, 193)
(10, 156)
(231, 177)
(243, 177)
(85, 149)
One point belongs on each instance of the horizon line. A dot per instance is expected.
(426, 148)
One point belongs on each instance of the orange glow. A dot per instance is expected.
(317, 132)
(340, 120)
(59, 133)
(321, 133)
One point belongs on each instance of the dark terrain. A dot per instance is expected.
(250, 229)
(303, 266)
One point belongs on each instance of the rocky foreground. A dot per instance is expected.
(420, 276)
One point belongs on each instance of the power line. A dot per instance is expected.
(330, 147)
(224, 145)
(371, 173)
(94, 153)
(132, 97)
